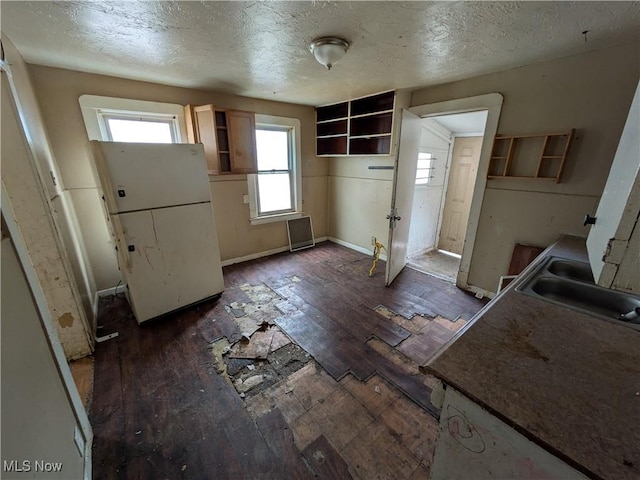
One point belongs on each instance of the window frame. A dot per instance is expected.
(289, 171)
(95, 107)
(292, 125)
(104, 115)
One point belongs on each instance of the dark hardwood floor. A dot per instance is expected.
(160, 409)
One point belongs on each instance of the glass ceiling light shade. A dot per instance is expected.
(328, 50)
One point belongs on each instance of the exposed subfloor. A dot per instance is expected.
(221, 391)
(437, 263)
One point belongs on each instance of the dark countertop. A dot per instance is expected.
(568, 381)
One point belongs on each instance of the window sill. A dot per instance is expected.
(281, 217)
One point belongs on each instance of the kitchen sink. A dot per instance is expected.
(570, 284)
(580, 271)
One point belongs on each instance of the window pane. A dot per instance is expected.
(273, 149)
(139, 131)
(274, 190)
(423, 163)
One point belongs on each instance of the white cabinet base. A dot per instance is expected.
(472, 443)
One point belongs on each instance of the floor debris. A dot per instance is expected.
(257, 346)
(263, 355)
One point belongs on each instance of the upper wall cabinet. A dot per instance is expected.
(359, 127)
(228, 137)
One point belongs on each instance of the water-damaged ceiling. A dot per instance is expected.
(259, 49)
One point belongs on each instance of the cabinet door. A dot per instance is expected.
(610, 243)
(204, 131)
(472, 443)
(242, 141)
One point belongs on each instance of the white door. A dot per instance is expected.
(457, 204)
(620, 203)
(173, 256)
(404, 180)
(140, 176)
(39, 415)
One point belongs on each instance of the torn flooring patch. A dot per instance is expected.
(250, 377)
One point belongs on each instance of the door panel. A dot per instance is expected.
(151, 175)
(402, 195)
(620, 203)
(242, 141)
(38, 416)
(464, 168)
(205, 133)
(176, 260)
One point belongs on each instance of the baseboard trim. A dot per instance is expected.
(480, 292)
(266, 253)
(357, 248)
(107, 292)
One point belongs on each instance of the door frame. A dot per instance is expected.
(492, 102)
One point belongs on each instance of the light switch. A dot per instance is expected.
(245, 199)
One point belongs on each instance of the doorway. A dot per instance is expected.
(447, 169)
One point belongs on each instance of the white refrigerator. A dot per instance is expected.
(158, 205)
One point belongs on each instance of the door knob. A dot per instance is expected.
(589, 220)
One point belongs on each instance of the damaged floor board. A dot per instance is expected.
(339, 354)
(278, 436)
(324, 459)
(251, 376)
(361, 322)
(160, 409)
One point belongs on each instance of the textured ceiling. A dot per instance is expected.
(259, 49)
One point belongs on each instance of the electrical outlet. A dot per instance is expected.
(373, 240)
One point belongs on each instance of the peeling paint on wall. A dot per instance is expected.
(66, 320)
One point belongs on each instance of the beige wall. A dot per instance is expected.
(45, 228)
(58, 92)
(590, 92)
(360, 198)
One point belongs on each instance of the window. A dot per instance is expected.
(274, 191)
(425, 165)
(275, 170)
(113, 119)
(121, 127)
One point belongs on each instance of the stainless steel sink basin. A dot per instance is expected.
(570, 284)
(571, 269)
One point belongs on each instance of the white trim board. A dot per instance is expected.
(357, 248)
(107, 292)
(91, 105)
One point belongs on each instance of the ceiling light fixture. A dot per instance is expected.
(329, 50)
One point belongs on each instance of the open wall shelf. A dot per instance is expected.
(539, 156)
(358, 127)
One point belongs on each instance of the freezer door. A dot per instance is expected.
(142, 176)
(174, 258)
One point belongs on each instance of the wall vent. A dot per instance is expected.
(300, 231)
